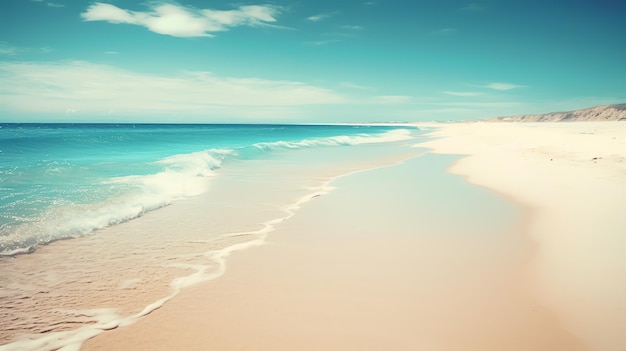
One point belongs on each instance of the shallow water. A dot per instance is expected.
(61, 181)
(70, 290)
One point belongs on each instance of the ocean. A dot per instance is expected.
(100, 224)
(60, 181)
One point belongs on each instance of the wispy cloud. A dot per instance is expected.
(321, 16)
(346, 32)
(502, 86)
(94, 89)
(393, 99)
(8, 50)
(350, 85)
(184, 21)
(462, 93)
(322, 42)
(445, 110)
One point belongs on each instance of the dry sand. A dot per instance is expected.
(368, 267)
(572, 177)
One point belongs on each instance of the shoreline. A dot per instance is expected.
(346, 274)
(241, 225)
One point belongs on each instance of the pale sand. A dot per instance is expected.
(572, 176)
(71, 290)
(382, 262)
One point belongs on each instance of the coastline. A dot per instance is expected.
(79, 288)
(402, 253)
(572, 178)
(404, 257)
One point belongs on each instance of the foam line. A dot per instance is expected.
(341, 140)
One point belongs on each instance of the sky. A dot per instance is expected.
(257, 61)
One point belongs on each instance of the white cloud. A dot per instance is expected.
(503, 86)
(462, 93)
(183, 21)
(352, 27)
(94, 89)
(321, 16)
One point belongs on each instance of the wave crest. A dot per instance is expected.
(341, 140)
(184, 175)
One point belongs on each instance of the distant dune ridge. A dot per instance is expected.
(598, 113)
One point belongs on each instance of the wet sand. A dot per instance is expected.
(403, 257)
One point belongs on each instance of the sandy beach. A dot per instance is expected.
(381, 262)
(572, 179)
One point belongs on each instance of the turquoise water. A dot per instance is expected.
(60, 181)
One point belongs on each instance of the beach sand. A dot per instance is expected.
(408, 258)
(572, 178)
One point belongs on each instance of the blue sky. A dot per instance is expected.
(307, 61)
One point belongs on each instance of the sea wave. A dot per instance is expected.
(183, 175)
(123, 198)
(341, 140)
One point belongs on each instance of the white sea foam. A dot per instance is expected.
(184, 175)
(341, 140)
(100, 320)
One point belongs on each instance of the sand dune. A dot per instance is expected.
(598, 113)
